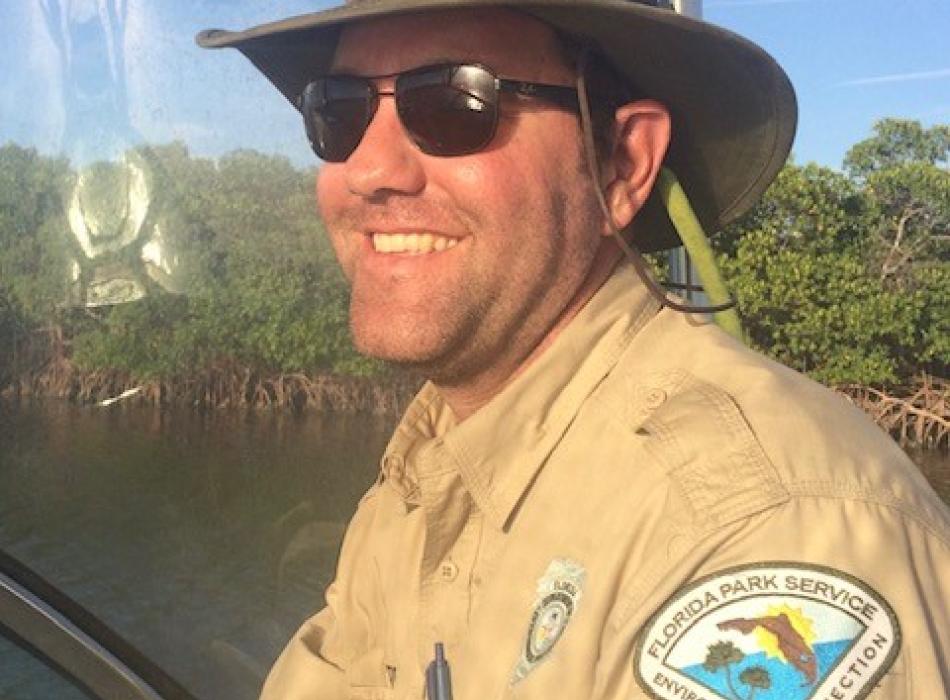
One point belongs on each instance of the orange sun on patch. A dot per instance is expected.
(769, 643)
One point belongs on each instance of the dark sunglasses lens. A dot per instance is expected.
(336, 113)
(449, 111)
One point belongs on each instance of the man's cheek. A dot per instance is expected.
(346, 249)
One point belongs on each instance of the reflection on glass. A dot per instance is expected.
(108, 206)
(88, 39)
(123, 254)
(103, 86)
(122, 244)
(132, 164)
(161, 262)
(106, 214)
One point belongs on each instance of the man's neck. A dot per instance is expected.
(467, 398)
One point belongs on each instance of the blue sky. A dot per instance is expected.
(851, 61)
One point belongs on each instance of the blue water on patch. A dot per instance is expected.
(788, 683)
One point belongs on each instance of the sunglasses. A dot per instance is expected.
(446, 109)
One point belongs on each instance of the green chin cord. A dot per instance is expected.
(684, 221)
(700, 251)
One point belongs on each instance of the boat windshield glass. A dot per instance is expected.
(185, 428)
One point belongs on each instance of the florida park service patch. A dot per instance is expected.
(770, 631)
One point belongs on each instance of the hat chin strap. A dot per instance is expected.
(684, 220)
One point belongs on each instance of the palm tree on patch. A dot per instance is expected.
(755, 677)
(722, 655)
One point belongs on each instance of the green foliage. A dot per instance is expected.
(846, 277)
(911, 207)
(261, 285)
(32, 249)
(898, 142)
(12, 327)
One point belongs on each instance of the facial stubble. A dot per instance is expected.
(491, 327)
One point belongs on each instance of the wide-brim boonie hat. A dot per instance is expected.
(733, 107)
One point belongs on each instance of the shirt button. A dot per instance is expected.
(655, 398)
(448, 570)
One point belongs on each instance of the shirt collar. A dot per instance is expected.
(499, 449)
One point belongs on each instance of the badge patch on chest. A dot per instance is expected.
(768, 631)
(559, 592)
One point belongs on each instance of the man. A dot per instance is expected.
(594, 496)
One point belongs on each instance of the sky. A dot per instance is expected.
(86, 78)
(852, 62)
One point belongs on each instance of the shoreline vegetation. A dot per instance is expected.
(917, 417)
(220, 387)
(225, 385)
(920, 418)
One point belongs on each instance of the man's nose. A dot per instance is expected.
(385, 160)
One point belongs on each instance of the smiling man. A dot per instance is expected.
(595, 496)
(448, 273)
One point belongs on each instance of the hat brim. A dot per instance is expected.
(733, 107)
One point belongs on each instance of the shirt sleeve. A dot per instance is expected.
(322, 658)
(842, 596)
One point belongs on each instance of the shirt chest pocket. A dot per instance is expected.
(369, 677)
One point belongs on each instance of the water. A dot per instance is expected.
(204, 538)
(935, 464)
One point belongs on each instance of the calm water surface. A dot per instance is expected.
(203, 538)
(935, 464)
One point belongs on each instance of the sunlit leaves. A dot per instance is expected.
(898, 142)
(844, 278)
(33, 249)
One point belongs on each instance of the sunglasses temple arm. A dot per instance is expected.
(684, 220)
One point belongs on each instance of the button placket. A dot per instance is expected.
(446, 509)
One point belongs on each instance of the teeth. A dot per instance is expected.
(412, 243)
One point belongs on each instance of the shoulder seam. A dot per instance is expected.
(839, 491)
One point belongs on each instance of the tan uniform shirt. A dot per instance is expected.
(647, 490)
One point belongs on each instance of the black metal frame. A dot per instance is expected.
(39, 617)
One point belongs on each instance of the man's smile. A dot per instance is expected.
(411, 243)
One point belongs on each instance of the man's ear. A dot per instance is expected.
(641, 137)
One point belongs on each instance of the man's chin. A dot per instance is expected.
(403, 353)
(430, 358)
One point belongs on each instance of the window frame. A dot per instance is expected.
(41, 619)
